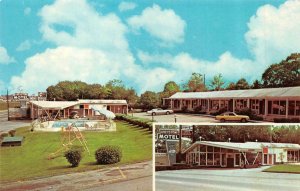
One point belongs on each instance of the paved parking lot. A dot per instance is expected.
(185, 118)
(8, 125)
(226, 180)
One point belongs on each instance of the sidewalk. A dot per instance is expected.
(127, 177)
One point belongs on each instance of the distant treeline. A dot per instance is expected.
(283, 74)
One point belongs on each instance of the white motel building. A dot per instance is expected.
(230, 154)
(268, 103)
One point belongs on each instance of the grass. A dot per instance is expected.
(3, 105)
(286, 168)
(30, 161)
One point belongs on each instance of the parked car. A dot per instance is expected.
(231, 116)
(158, 111)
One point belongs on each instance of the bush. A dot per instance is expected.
(284, 120)
(250, 113)
(220, 111)
(144, 123)
(74, 155)
(108, 154)
(184, 109)
(197, 109)
(12, 133)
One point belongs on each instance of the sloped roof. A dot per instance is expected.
(102, 101)
(66, 104)
(244, 146)
(54, 104)
(258, 93)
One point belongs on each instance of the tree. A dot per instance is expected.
(171, 87)
(284, 74)
(231, 86)
(217, 82)
(149, 100)
(242, 84)
(195, 83)
(256, 85)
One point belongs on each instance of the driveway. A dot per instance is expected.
(5, 125)
(226, 180)
(132, 177)
(185, 118)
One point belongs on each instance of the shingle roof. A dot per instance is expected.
(259, 93)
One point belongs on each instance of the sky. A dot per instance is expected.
(143, 43)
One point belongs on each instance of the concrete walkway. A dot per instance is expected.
(126, 178)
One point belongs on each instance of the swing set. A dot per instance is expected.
(68, 136)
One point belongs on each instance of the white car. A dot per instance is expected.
(160, 111)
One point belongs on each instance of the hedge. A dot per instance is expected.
(285, 120)
(144, 123)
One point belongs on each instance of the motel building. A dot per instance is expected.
(230, 155)
(268, 103)
(64, 109)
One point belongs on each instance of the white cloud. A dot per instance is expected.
(91, 30)
(183, 65)
(126, 6)
(165, 24)
(27, 11)
(4, 57)
(96, 52)
(25, 45)
(274, 32)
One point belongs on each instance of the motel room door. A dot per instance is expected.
(230, 160)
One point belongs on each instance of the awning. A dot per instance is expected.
(105, 112)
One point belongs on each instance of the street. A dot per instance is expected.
(5, 125)
(225, 180)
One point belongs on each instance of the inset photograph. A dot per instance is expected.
(226, 157)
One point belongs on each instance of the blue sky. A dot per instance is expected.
(143, 43)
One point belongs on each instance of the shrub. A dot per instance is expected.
(250, 113)
(284, 120)
(197, 109)
(184, 109)
(108, 154)
(144, 123)
(74, 155)
(12, 133)
(220, 111)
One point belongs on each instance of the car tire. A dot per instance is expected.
(243, 120)
(222, 120)
(167, 113)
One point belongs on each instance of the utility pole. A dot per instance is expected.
(7, 102)
(180, 135)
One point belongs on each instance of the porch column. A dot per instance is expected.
(163, 101)
(266, 107)
(208, 105)
(32, 111)
(286, 108)
(180, 104)
(171, 103)
(233, 105)
(219, 103)
(248, 103)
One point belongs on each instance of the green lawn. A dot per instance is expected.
(30, 160)
(284, 168)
